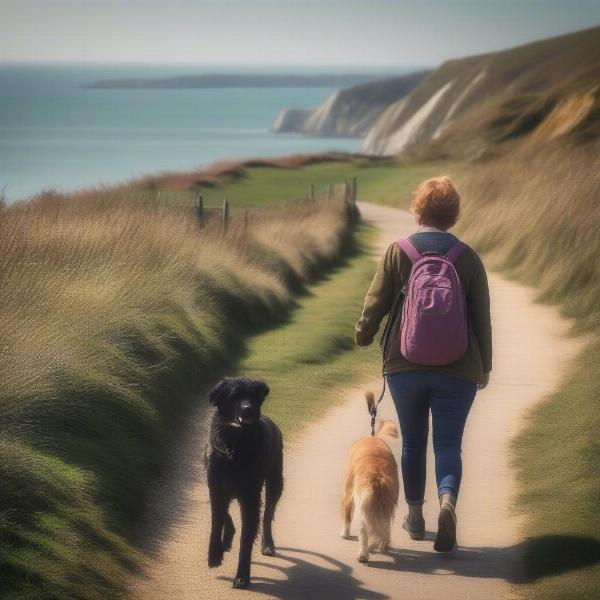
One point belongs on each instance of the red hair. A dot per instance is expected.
(436, 203)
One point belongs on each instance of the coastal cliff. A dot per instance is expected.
(469, 107)
(350, 112)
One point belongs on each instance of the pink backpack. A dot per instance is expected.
(433, 329)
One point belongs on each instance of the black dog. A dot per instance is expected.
(245, 453)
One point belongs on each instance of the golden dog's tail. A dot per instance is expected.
(386, 429)
(377, 504)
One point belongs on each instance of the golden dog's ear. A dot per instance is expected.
(370, 396)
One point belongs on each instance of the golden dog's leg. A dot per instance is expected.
(363, 541)
(384, 543)
(347, 510)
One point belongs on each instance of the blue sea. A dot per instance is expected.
(54, 134)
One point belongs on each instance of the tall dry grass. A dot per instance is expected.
(112, 311)
(537, 216)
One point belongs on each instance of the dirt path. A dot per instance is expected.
(313, 562)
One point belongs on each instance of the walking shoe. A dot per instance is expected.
(415, 529)
(414, 523)
(445, 540)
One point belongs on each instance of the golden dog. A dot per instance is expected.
(371, 488)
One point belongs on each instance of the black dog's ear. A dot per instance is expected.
(219, 392)
(263, 388)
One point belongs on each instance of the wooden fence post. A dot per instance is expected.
(245, 220)
(199, 204)
(354, 191)
(311, 191)
(225, 215)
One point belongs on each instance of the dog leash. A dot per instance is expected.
(389, 326)
(374, 409)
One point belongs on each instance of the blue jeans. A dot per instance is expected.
(415, 393)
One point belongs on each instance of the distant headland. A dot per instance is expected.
(237, 81)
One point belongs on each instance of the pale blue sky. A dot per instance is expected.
(334, 32)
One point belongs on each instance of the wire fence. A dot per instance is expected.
(345, 192)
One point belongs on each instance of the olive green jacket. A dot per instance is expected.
(392, 276)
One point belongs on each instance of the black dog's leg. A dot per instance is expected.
(228, 532)
(219, 504)
(250, 509)
(274, 488)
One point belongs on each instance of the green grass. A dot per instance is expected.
(314, 354)
(556, 457)
(378, 182)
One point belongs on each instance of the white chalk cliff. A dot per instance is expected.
(349, 112)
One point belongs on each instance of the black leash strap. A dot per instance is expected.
(385, 338)
(374, 409)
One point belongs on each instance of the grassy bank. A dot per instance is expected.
(536, 216)
(113, 310)
(311, 359)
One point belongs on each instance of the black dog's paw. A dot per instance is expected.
(268, 550)
(241, 582)
(215, 561)
(215, 557)
(226, 545)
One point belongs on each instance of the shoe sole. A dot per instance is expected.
(445, 540)
(414, 535)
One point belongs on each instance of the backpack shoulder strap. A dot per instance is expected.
(409, 250)
(455, 251)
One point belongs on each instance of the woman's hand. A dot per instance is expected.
(483, 381)
(362, 342)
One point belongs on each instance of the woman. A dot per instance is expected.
(447, 391)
